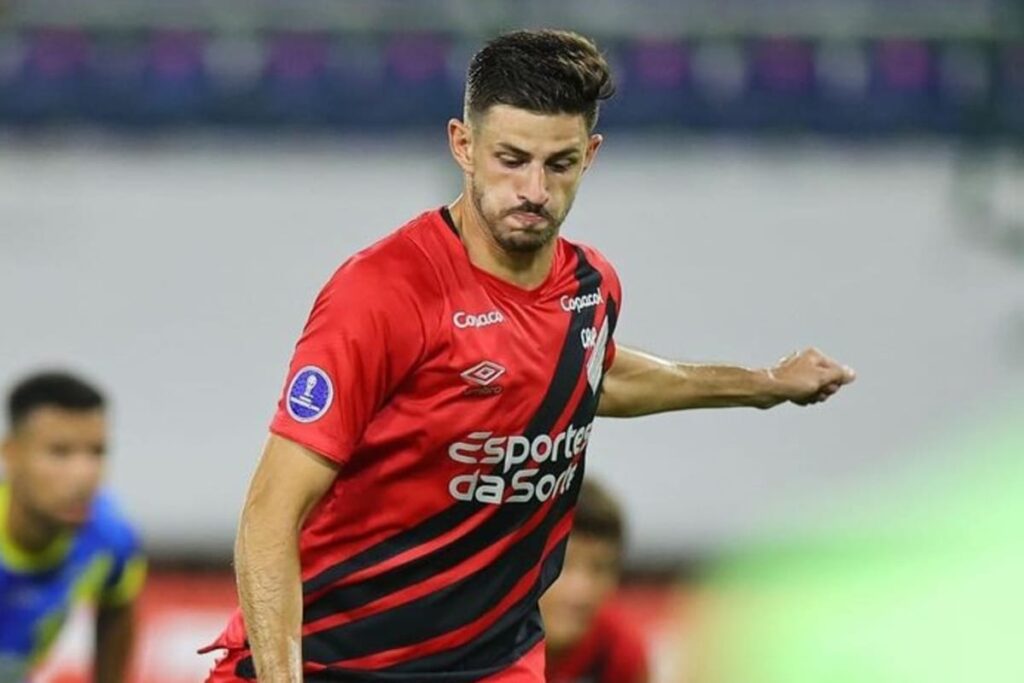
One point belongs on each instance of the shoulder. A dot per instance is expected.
(624, 644)
(110, 528)
(398, 265)
(596, 259)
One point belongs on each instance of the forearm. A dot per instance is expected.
(115, 638)
(641, 384)
(269, 588)
(288, 482)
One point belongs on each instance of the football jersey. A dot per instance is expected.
(612, 651)
(458, 408)
(100, 563)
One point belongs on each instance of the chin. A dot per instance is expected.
(71, 519)
(565, 637)
(528, 243)
(516, 247)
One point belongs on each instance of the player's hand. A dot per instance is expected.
(809, 376)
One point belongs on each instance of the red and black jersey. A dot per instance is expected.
(459, 408)
(612, 651)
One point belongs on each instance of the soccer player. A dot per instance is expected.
(62, 540)
(588, 640)
(415, 495)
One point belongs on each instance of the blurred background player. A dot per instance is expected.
(587, 639)
(62, 540)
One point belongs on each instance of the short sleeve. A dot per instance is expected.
(364, 335)
(128, 569)
(126, 581)
(614, 309)
(609, 353)
(627, 658)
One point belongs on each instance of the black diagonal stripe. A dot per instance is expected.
(345, 598)
(505, 521)
(380, 633)
(612, 316)
(498, 639)
(465, 601)
(343, 675)
(562, 384)
(426, 531)
(494, 650)
(506, 640)
(389, 626)
(612, 313)
(492, 643)
(570, 362)
(599, 670)
(456, 605)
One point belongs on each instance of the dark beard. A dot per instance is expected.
(519, 243)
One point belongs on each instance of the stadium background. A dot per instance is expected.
(177, 179)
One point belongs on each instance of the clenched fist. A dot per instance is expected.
(808, 377)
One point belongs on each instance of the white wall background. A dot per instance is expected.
(178, 274)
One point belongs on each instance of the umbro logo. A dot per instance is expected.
(481, 378)
(483, 373)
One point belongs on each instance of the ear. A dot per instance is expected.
(7, 451)
(460, 142)
(593, 144)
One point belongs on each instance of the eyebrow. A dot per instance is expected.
(522, 152)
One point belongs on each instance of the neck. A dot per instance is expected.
(527, 270)
(26, 530)
(554, 651)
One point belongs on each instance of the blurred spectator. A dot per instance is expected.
(62, 540)
(588, 640)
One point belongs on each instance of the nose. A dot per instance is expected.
(576, 585)
(534, 188)
(86, 470)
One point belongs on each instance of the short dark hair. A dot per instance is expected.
(598, 515)
(544, 71)
(54, 388)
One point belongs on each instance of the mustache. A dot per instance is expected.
(527, 207)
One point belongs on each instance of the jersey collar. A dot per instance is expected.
(14, 557)
(494, 283)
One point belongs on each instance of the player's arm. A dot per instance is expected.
(638, 383)
(289, 480)
(115, 614)
(115, 639)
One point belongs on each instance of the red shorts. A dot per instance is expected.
(528, 669)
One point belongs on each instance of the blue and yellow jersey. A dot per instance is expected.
(99, 563)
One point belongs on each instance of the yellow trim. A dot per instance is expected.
(133, 577)
(16, 558)
(88, 585)
(46, 633)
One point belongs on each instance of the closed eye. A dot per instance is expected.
(510, 161)
(562, 166)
